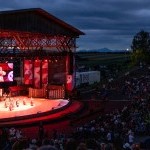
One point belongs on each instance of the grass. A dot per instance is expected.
(101, 58)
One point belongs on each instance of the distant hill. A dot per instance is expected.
(104, 50)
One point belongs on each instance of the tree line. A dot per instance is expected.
(141, 48)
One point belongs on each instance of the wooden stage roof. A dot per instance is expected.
(35, 20)
(32, 29)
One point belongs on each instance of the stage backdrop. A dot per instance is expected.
(28, 72)
(37, 73)
(43, 72)
(57, 71)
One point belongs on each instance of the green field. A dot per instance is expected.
(90, 58)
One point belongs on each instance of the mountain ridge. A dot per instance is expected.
(100, 50)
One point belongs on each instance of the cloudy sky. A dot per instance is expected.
(106, 23)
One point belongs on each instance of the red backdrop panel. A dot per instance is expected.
(45, 72)
(28, 72)
(70, 74)
(37, 69)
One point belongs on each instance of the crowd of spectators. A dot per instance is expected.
(116, 130)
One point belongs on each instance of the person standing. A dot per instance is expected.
(131, 138)
(41, 131)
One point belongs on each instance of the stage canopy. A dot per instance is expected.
(27, 32)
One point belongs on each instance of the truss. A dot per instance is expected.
(34, 41)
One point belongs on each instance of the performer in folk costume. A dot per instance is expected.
(24, 102)
(6, 104)
(17, 103)
(10, 107)
(32, 102)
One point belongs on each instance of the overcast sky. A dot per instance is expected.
(106, 23)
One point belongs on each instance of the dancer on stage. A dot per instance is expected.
(4, 96)
(6, 104)
(17, 103)
(24, 101)
(31, 102)
(10, 107)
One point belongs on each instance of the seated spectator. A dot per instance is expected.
(20, 144)
(33, 144)
(126, 146)
(82, 146)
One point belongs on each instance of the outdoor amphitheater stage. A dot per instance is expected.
(32, 110)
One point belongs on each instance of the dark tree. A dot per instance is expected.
(141, 47)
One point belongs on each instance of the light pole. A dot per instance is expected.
(126, 52)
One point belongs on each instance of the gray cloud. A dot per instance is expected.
(106, 23)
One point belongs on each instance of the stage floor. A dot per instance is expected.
(28, 106)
